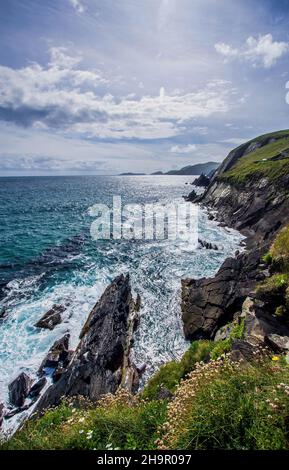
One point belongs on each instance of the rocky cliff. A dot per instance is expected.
(249, 192)
(101, 362)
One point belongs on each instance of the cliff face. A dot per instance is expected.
(249, 192)
(101, 362)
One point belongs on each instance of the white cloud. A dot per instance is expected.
(183, 148)
(77, 5)
(226, 50)
(262, 51)
(62, 96)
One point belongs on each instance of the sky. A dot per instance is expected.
(110, 86)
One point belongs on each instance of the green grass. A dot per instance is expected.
(231, 407)
(113, 425)
(257, 164)
(275, 289)
(219, 405)
(280, 250)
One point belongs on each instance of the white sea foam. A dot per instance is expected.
(155, 268)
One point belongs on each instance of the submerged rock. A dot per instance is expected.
(51, 318)
(208, 245)
(19, 389)
(101, 362)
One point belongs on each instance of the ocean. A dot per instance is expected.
(47, 257)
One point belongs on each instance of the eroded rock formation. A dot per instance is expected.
(101, 362)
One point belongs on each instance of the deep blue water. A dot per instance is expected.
(47, 257)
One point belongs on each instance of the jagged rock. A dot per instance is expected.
(279, 344)
(208, 245)
(242, 350)
(1, 413)
(210, 303)
(15, 411)
(101, 362)
(57, 356)
(164, 394)
(3, 313)
(51, 318)
(259, 323)
(37, 387)
(19, 389)
(192, 197)
(141, 369)
(202, 181)
(224, 332)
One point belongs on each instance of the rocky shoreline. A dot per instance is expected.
(258, 208)
(99, 365)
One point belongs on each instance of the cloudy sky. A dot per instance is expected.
(106, 86)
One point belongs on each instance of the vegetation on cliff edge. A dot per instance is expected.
(270, 161)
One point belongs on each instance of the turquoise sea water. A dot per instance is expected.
(47, 257)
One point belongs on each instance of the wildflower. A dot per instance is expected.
(275, 358)
(81, 431)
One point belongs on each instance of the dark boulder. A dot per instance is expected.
(37, 387)
(51, 318)
(2, 408)
(19, 389)
(202, 181)
(208, 304)
(279, 344)
(164, 394)
(208, 245)
(192, 197)
(259, 322)
(242, 350)
(101, 362)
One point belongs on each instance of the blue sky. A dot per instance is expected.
(106, 86)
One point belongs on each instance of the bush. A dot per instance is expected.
(225, 405)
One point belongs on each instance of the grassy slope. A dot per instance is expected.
(258, 164)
